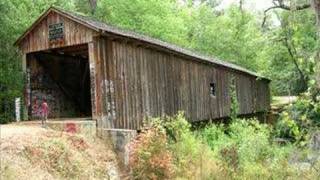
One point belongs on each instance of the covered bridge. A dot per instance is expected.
(85, 68)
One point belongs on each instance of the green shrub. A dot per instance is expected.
(182, 154)
(215, 136)
(245, 150)
(299, 119)
(5, 118)
(252, 140)
(242, 150)
(288, 128)
(150, 157)
(192, 157)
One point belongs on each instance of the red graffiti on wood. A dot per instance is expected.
(71, 128)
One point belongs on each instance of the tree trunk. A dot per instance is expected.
(241, 5)
(93, 5)
(316, 6)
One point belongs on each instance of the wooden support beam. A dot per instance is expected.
(92, 79)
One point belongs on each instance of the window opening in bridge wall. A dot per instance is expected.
(213, 89)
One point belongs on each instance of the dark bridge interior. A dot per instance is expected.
(62, 77)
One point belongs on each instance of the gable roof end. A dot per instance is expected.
(43, 15)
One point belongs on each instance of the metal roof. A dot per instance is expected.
(106, 28)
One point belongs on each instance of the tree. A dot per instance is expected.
(315, 4)
(15, 17)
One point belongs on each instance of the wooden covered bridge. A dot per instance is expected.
(85, 68)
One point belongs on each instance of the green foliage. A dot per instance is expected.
(299, 119)
(171, 144)
(233, 36)
(234, 109)
(188, 151)
(245, 150)
(241, 150)
(288, 128)
(160, 19)
(299, 30)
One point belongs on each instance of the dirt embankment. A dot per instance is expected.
(28, 151)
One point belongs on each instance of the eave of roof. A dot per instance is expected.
(105, 28)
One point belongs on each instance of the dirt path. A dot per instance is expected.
(24, 145)
(21, 129)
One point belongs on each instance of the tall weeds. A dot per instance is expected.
(242, 150)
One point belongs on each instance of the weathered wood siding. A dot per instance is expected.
(132, 80)
(135, 82)
(74, 33)
(101, 82)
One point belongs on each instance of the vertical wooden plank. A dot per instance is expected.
(103, 83)
(127, 50)
(172, 83)
(223, 93)
(118, 73)
(190, 94)
(138, 100)
(150, 82)
(120, 84)
(92, 79)
(190, 89)
(177, 84)
(120, 68)
(67, 31)
(125, 84)
(54, 20)
(45, 33)
(134, 77)
(49, 21)
(166, 91)
(38, 36)
(228, 96)
(110, 68)
(143, 89)
(98, 75)
(154, 83)
(115, 111)
(145, 81)
(197, 92)
(169, 84)
(203, 94)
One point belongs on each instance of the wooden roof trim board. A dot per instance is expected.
(106, 29)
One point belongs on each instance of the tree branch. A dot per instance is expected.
(289, 44)
(281, 5)
(291, 51)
